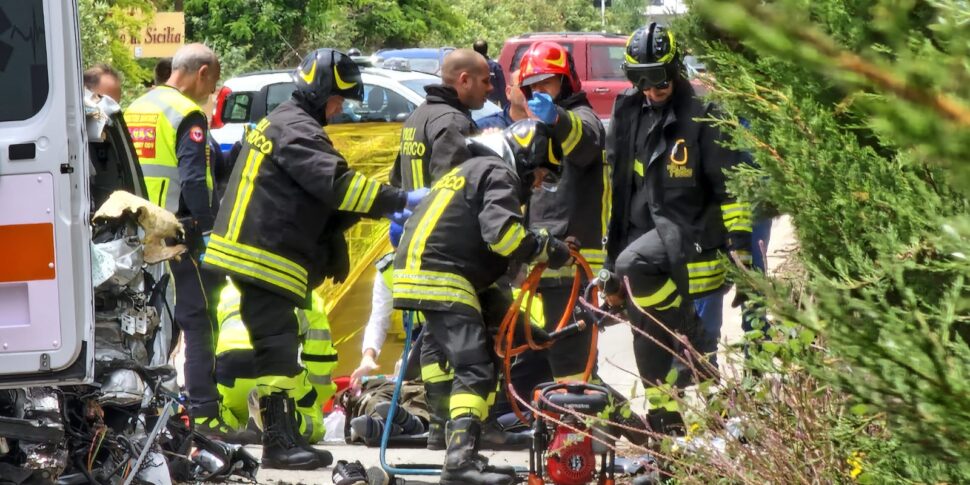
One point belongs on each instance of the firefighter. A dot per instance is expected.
(579, 207)
(433, 137)
(236, 378)
(432, 143)
(673, 218)
(170, 132)
(455, 247)
(280, 233)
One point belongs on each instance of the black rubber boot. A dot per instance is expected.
(281, 446)
(463, 464)
(666, 422)
(439, 397)
(494, 437)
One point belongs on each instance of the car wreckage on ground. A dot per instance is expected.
(87, 394)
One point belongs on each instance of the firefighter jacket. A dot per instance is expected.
(580, 206)
(234, 357)
(281, 223)
(433, 139)
(674, 182)
(461, 238)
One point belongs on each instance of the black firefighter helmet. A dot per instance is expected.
(652, 59)
(327, 72)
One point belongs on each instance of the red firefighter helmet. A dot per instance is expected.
(544, 60)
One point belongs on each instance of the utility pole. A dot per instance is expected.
(603, 14)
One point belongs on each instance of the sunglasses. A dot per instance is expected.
(645, 76)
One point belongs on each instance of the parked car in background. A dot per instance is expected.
(427, 60)
(389, 98)
(598, 57)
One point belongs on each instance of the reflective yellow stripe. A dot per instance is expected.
(426, 226)
(575, 134)
(247, 183)
(370, 195)
(638, 167)
(435, 293)
(490, 400)
(676, 303)
(737, 217)
(607, 198)
(466, 403)
(593, 256)
(700, 285)
(266, 258)
(353, 192)
(705, 268)
(510, 241)
(236, 265)
(417, 173)
(433, 373)
(320, 380)
(668, 289)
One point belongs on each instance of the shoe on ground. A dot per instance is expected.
(349, 473)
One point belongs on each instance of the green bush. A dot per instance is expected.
(860, 121)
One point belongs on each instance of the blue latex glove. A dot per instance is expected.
(205, 244)
(542, 106)
(416, 196)
(400, 217)
(395, 233)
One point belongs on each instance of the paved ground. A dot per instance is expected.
(615, 363)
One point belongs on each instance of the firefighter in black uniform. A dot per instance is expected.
(457, 244)
(673, 218)
(279, 233)
(432, 143)
(579, 207)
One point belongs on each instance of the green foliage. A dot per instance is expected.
(101, 24)
(860, 112)
(252, 34)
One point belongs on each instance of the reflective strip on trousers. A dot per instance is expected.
(467, 403)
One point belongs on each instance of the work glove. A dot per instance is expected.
(395, 232)
(542, 106)
(416, 196)
(552, 251)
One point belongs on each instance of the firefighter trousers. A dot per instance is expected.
(647, 266)
(275, 335)
(465, 341)
(196, 292)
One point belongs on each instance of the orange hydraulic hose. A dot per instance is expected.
(506, 334)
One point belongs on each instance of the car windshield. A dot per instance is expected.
(417, 85)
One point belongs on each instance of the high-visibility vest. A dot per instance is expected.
(153, 121)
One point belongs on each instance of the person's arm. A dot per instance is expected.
(448, 146)
(310, 159)
(191, 150)
(382, 305)
(581, 134)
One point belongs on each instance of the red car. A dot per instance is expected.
(598, 58)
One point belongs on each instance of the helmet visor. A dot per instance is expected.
(645, 76)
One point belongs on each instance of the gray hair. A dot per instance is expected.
(191, 57)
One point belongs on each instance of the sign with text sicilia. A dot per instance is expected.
(161, 38)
